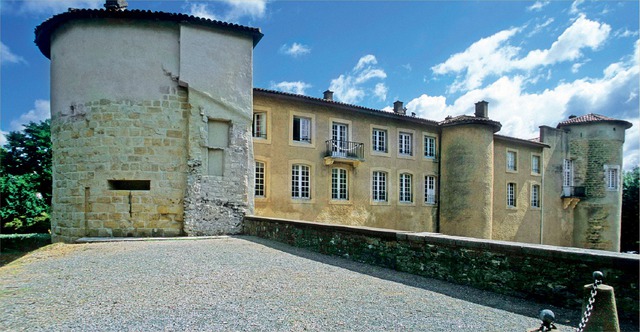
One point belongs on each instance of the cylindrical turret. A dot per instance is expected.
(466, 194)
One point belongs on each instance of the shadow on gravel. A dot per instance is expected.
(515, 305)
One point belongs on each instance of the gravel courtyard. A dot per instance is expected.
(237, 284)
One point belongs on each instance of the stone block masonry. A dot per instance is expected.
(551, 275)
(120, 167)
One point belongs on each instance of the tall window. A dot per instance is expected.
(512, 161)
(567, 173)
(379, 140)
(429, 147)
(259, 182)
(379, 186)
(405, 192)
(535, 164)
(535, 196)
(301, 129)
(405, 141)
(430, 189)
(339, 184)
(300, 184)
(612, 178)
(511, 195)
(260, 125)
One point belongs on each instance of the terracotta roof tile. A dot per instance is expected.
(591, 118)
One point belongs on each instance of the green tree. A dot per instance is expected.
(630, 219)
(25, 179)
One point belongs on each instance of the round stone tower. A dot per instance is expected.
(466, 194)
(593, 171)
(127, 133)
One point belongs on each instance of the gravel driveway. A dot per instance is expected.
(237, 284)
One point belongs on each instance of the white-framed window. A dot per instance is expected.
(511, 195)
(405, 144)
(405, 192)
(512, 161)
(430, 189)
(567, 173)
(301, 129)
(259, 127)
(300, 182)
(379, 186)
(612, 177)
(339, 184)
(379, 140)
(429, 147)
(535, 164)
(260, 185)
(535, 196)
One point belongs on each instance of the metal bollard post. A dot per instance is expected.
(603, 312)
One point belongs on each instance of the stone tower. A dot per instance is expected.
(592, 178)
(466, 190)
(150, 120)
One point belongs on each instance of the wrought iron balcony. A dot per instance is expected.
(573, 191)
(344, 152)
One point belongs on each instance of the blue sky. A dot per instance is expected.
(536, 62)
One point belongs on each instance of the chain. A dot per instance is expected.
(589, 308)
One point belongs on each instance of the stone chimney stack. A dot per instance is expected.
(482, 109)
(328, 95)
(398, 109)
(116, 4)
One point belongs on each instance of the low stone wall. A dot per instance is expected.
(549, 274)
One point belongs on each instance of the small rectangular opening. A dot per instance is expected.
(129, 185)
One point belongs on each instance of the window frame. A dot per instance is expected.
(384, 130)
(536, 156)
(427, 146)
(267, 114)
(608, 171)
(342, 182)
(375, 200)
(511, 167)
(535, 196)
(312, 129)
(434, 190)
(411, 143)
(405, 188)
(511, 194)
(264, 180)
(299, 183)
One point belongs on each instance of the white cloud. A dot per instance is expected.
(625, 33)
(538, 5)
(380, 91)
(233, 10)
(201, 10)
(352, 87)
(538, 27)
(56, 6)
(429, 107)
(574, 6)
(297, 87)
(40, 112)
(6, 56)
(494, 56)
(295, 50)
(631, 148)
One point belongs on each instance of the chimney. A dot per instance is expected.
(328, 95)
(482, 109)
(398, 109)
(116, 5)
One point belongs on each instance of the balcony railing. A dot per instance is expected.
(573, 191)
(345, 150)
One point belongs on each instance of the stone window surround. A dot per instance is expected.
(387, 187)
(512, 194)
(267, 187)
(435, 189)
(412, 143)
(538, 197)
(612, 176)
(312, 128)
(539, 156)
(401, 190)
(431, 137)
(511, 167)
(347, 183)
(387, 136)
(267, 114)
(312, 180)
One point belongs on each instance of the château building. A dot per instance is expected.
(157, 130)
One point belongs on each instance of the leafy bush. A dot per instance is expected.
(23, 242)
(23, 209)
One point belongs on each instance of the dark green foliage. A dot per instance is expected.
(25, 179)
(630, 218)
(23, 242)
